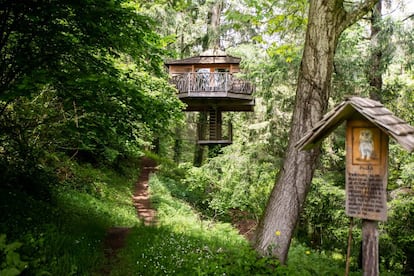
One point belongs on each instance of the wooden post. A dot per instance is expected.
(370, 255)
(366, 182)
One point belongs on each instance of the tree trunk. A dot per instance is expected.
(201, 133)
(326, 21)
(178, 145)
(375, 69)
(213, 26)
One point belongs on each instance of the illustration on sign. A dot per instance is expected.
(367, 141)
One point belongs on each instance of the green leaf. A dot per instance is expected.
(10, 272)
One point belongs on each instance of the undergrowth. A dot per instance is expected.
(185, 244)
(64, 236)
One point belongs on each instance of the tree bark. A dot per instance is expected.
(178, 145)
(326, 21)
(201, 133)
(213, 26)
(375, 69)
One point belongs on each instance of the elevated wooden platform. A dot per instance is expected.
(222, 90)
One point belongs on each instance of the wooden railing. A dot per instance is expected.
(211, 82)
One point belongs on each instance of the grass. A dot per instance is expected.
(184, 244)
(65, 235)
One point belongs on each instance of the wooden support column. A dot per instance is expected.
(370, 255)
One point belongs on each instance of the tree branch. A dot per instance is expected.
(408, 17)
(357, 13)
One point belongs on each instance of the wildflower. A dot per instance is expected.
(277, 233)
(307, 252)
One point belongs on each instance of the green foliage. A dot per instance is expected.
(350, 68)
(397, 239)
(323, 222)
(267, 22)
(303, 260)
(10, 262)
(78, 80)
(174, 19)
(164, 251)
(65, 237)
(83, 86)
(228, 181)
(184, 243)
(324, 225)
(54, 40)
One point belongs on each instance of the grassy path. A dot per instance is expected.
(116, 236)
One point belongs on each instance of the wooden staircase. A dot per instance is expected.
(215, 124)
(215, 130)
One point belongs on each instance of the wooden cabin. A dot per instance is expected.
(209, 83)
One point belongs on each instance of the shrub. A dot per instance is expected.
(10, 261)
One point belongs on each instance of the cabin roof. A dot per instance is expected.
(212, 56)
(357, 107)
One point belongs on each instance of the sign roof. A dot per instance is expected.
(357, 107)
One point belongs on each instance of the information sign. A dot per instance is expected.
(366, 175)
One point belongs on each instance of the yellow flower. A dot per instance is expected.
(307, 252)
(277, 233)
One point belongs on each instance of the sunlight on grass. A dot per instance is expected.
(183, 243)
(181, 218)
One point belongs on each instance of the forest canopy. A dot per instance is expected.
(83, 78)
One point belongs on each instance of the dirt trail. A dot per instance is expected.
(115, 236)
(141, 198)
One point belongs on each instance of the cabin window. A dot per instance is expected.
(222, 70)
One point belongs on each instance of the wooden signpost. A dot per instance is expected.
(369, 124)
(366, 171)
(366, 184)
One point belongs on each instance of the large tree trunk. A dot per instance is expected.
(214, 26)
(212, 40)
(375, 68)
(326, 21)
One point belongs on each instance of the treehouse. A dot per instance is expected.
(209, 83)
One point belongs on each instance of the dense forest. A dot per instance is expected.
(85, 99)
